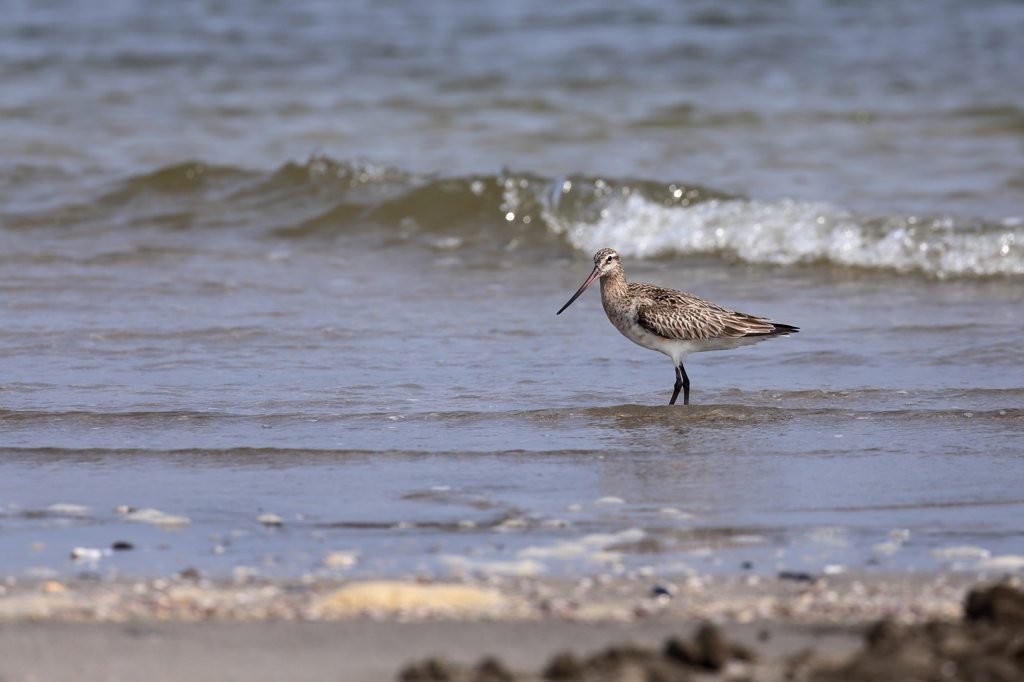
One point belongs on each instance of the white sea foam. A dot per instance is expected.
(786, 232)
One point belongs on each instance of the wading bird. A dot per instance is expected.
(670, 321)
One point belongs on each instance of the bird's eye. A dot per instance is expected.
(609, 259)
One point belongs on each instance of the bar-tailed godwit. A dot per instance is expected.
(672, 322)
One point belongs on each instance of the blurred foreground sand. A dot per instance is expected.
(188, 628)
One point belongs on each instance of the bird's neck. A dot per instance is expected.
(613, 285)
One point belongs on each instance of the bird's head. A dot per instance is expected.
(605, 261)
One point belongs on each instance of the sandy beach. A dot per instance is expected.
(184, 628)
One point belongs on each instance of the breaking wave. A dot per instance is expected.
(645, 220)
(507, 211)
(787, 232)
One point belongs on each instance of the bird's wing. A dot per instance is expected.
(675, 315)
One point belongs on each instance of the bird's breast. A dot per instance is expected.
(626, 322)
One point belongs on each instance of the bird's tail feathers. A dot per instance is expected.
(779, 330)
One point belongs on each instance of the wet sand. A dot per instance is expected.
(349, 650)
(187, 628)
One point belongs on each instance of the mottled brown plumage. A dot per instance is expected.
(672, 322)
(675, 315)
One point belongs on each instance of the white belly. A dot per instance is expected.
(677, 349)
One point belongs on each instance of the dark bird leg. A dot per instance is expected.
(682, 382)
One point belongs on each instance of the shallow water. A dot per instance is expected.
(200, 317)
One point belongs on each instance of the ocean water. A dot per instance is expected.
(287, 273)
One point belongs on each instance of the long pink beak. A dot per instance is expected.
(590, 280)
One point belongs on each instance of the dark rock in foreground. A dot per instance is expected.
(987, 645)
(707, 651)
